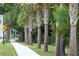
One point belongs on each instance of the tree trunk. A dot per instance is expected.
(20, 37)
(14, 34)
(8, 33)
(46, 17)
(38, 23)
(26, 39)
(3, 38)
(62, 46)
(39, 37)
(30, 30)
(73, 21)
(30, 37)
(57, 43)
(46, 38)
(73, 43)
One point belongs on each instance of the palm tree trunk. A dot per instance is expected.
(30, 37)
(46, 38)
(73, 21)
(57, 43)
(39, 38)
(38, 21)
(30, 30)
(73, 43)
(62, 46)
(25, 31)
(46, 17)
(3, 38)
(8, 33)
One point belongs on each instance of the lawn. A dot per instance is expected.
(7, 50)
(51, 50)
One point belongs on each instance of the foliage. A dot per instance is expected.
(62, 18)
(21, 21)
(11, 13)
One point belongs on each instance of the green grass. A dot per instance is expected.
(51, 50)
(42, 52)
(7, 50)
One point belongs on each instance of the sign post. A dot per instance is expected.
(4, 30)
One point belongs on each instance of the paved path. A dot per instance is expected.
(23, 50)
(1, 40)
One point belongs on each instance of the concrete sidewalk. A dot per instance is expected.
(1, 40)
(23, 50)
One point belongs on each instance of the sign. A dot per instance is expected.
(4, 27)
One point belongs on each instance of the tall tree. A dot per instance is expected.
(61, 17)
(73, 12)
(57, 40)
(30, 12)
(10, 15)
(46, 18)
(38, 23)
(27, 10)
(62, 45)
(30, 30)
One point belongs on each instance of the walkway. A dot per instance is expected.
(23, 50)
(1, 40)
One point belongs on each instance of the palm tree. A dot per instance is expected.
(73, 11)
(28, 8)
(59, 17)
(46, 17)
(57, 40)
(62, 43)
(38, 22)
(30, 30)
